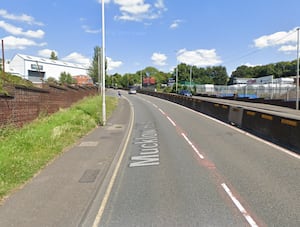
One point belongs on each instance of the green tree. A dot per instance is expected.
(51, 80)
(116, 80)
(219, 75)
(93, 69)
(66, 78)
(53, 56)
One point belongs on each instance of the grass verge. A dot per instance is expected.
(23, 152)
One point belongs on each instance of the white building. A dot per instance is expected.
(37, 68)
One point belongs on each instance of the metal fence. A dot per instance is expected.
(268, 91)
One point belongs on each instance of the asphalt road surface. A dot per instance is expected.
(181, 168)
(159, 164)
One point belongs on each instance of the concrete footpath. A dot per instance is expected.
(63, 192)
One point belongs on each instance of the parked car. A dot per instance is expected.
(132, 91)
(185, 93)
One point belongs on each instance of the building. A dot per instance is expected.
(37, 69)
(83, 80)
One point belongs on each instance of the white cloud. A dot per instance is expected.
(105, 1)
(46, 53)
(112, 65)
(251, 65)
(19, 31)
(159, 59)
(135, 9)
(276, 39)
(138, 10)
(288, 48)
(160, 4)
(199, 57)
(175, 24)
(12, 43)
(23, 18)
(87, 29)
(77, 58)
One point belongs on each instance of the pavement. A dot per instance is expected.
(63, 193)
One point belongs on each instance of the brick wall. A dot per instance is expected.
(24, 104)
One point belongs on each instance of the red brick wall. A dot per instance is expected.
(26, 104)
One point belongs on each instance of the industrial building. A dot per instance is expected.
(37, 69)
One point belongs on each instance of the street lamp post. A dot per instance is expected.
(141, 79)
(3, 59)
(103, 68)
(177, 78)
(297, 77)
(191, 78)
(99, 72)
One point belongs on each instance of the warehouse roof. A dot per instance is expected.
(51, 61)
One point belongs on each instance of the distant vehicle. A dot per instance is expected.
(185, 93)
(132, 91)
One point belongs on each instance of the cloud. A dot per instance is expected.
(276, 39)
(138, 10)
(22, 18)
(160, 5)
(288, 48)
(87, 29)
(46, 53)
(19, 31)
(199, 57)
(251, 65)
(175, 24)
(77, 58)
(12, 43)
(159, 59)
(112, 65)
(105, 1)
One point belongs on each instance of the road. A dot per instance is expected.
(159, 164)
(182, 168)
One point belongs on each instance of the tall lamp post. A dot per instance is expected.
(103, 68)
(141, 79)
(3, 59)
(297, 77)
(191, 71)
(177, 79)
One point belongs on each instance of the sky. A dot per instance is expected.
(156, 33)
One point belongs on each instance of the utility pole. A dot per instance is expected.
(191, 78)
(99, 72)
(297, 77)
(103, 68)
(141, 79)
(177, 79)
(3, 59)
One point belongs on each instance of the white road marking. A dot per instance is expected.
(161, 111)
(172, 122)
(295, 155)
(192, 145)
(239, 206)
(113, 178)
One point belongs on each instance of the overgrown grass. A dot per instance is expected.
(13, 80)
(23, 152)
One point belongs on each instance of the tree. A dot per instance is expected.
(93, 69)
(280, 69)
(53, 56)
(66, 78)
(219, 75)
(51, 80)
